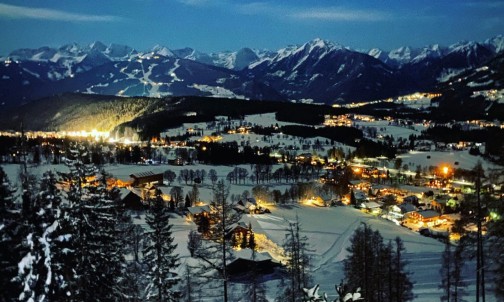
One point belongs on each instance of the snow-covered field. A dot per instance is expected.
(328, 231)
(438, 158)
(386, 128)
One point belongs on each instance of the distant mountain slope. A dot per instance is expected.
(327, 72)
(475, 94)
(75, 112)
(318, 71)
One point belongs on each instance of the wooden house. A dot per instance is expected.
(237, 229)
(131, 199)
(244, 262)
(194, 213)
(371, 207)
(428, 217)
(144, 178)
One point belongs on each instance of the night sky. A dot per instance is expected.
(215, 25)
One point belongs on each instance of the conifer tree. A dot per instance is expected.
(378, 269)
(97, 247)
(451, 273)
(11, 237)
(36, 266)
(256, 291)
(297, 263)
(159, 254)
(215, 251)
(403, 286)
(445, 272)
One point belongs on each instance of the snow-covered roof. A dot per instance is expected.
(370, 205)
(123, 192)
(247, 255)
(143, 174)
(407, 207)
(428, 214)
(199, 209)
(164, 190)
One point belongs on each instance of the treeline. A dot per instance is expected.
(231, 153)
(346, 135)
(493, 137)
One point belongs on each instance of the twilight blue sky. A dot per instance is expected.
(213, 25)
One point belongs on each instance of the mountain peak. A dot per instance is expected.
(323, 44)
(118, 51)
(97, 45)
(162, 51)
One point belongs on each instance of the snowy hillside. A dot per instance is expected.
(318, 71)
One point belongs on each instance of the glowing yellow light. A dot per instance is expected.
(446, 170)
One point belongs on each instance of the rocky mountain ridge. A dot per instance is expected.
(318, 71)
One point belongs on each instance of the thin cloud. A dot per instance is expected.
(196, 3)
(22, 12)
(338, 14)
(485, 4)
(259, 8)
(332, 14)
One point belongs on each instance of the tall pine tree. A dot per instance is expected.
(298, 262)
(97, 251)
(379, 269)
(215, 251)
(36, 267)
(11, 237)
(159, 254)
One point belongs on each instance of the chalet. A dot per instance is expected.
(178, 161)
(240, 229)
(244, 261)
(149, 191)
(428, 217)
(360, 196)
(304, 157)
(359, 184)
(401, 211)
(196, 212)
(131, 199)
(371, 207)
(143, 178)
(407, 208)
(248, 205)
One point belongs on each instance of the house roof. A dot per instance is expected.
(428, 214)
(359, 194)
(239, 224)
(135, 191)
(356, 182)
(123, 192)
(199, 209)
(407, 207)
(247, 255)
(144, 174)
(370, 205)
(411, 198)
(164, 190)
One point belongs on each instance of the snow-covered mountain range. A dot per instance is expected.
(318, 71)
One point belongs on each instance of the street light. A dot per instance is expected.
(446, 170)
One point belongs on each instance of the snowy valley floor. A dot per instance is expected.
(328, 230)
